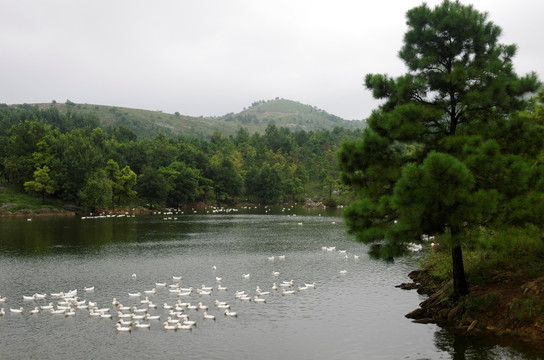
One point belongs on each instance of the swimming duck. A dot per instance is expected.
(19, 310)
(152, 317)
(208, 316)
(142, 326)
(88, 288)
(231, 313)
(119, 327)
(47, 307)
(185, 326)
(167, 326)
(35, 310)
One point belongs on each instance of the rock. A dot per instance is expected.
(424, 321)
(415, 314)
(408, 286)
(455, 314)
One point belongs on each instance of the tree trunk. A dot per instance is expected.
(460, 287)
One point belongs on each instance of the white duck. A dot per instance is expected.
(142, 326)
(167, 326)
(184, 326)
(208, 316)
(231, 313)
(123, 328)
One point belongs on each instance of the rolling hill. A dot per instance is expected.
(148, 123)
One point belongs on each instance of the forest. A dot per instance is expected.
(70, 157)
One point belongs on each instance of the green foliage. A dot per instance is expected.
(42, 183)
(97, 191)
(152, 186)
(447, 151)
(431, 196)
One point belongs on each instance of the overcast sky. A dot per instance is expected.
(212, 57)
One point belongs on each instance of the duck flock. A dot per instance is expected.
(184, 307)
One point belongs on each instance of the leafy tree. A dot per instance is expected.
(127, 181)
(114, 174)
(183, 183)
(97, 191)
(152, 186)
(461, 83)
(42, 183)
(227, 179)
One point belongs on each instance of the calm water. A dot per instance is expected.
(356, 315)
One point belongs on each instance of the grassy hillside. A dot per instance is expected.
(289, 114)
(147, 123)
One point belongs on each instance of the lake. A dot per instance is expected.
(353, 312)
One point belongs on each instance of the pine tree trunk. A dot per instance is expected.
(460, 287)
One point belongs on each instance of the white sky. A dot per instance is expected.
(212, 57)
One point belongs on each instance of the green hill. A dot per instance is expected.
(147, 123)
(289, 114)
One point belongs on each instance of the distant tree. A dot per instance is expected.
(128, 181)
(152, 186)
(183, 183)
(42, 183)
(227, 179)
(97, 191)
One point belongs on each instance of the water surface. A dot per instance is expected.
(358, 314)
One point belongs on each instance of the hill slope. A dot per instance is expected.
(289, 114)
(147, 123)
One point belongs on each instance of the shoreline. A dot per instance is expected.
(486, 312)
(72, 210)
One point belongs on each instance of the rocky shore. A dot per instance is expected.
(506, 307)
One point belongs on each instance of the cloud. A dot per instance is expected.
(217, 56)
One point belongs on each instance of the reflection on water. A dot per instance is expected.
(358, 315)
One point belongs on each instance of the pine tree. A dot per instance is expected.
(460, 85)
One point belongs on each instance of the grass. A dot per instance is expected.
(12, 200)
(505, 272)
(518, 250)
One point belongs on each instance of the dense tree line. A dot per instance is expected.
(71, 157)
(455, 146)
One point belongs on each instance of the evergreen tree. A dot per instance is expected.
(460, 82)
